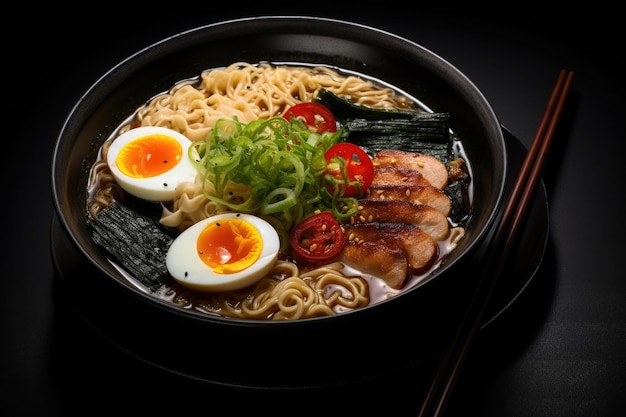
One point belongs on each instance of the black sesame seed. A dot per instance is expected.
(218, 224)
(186, 273)
(165, 184)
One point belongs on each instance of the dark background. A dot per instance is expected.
(559, 351)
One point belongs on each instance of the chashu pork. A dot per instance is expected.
(385, 262)
(428, 218)
(398, 176)
(415, 194)
(419, 247)
(395, 232)
(431, 168)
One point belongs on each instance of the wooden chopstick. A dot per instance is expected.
(448, 369)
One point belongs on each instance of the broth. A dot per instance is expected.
(102, 190)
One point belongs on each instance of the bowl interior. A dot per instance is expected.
(381, 55)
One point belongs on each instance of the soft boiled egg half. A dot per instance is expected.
(149, 162)
(223, 252)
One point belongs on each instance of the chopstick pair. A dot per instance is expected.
(448, 369)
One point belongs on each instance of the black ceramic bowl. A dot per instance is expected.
(346, 347)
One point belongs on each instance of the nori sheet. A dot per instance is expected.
(137, 242)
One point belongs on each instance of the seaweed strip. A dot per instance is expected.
(457, 192)
(375, 129)
(433, 127)
(373, 145)
(344, 109)
(137, 242)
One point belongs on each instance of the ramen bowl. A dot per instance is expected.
(340, 348)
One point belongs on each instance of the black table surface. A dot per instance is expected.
(559, 351)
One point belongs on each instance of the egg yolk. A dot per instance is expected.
(229, 245)
(149, 156)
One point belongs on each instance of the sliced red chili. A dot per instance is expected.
(349, 165)
(317, 238)
(316, 116)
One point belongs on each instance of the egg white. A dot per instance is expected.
(160, 187)
(185, 265)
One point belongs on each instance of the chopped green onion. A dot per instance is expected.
(280, 162)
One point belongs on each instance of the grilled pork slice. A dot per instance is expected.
(419, 247)
(398, 176)
(428, 218)
(416, 194)
(430, 167)
(387, 263)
